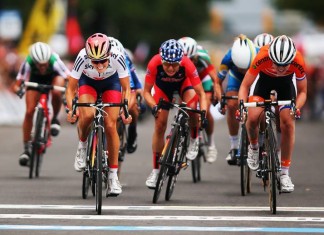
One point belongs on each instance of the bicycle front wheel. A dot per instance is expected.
(245, 171)
(36, 140)
(99, 171)
(272, 176)
(164, 165)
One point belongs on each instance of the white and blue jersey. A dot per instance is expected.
(235, 75)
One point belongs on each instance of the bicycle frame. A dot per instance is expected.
(40, 134)
(172, 159)
(269, 170)
(96, 170)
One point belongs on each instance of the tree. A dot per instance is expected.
(144, 20)
(314, 9)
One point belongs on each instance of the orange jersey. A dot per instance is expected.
(263, 63)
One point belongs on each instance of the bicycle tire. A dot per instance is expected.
(42, 147)
(164, 168)
(272, 186)
(39, 112)
(178, 157)
(85, 185)
(99, 171)
(245, 172)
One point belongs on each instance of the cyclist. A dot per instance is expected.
(169, 72)
(280, 67)
(262, 39)
(207, 73)
(235, 63)
(134, 110)
(42, 66)
(136, 89)
(100, 67)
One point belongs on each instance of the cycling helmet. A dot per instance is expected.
(243, 52)
(263, 39)
(171, 51)
(189, 46)
(98, 46)
(282, 50)
(40, 52)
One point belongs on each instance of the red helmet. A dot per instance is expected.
(98, 46)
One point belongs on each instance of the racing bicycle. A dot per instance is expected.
(96, 170)
(172, 158)
(40, 134)
(269, 164)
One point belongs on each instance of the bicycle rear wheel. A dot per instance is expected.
(36, 140)
(164, 166)
(99, 171)
(85, 184)
(272, 176)
(245, 171)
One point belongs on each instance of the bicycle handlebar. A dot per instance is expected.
(44, 86)
(183, 107)
(100, 105)
(224, 98)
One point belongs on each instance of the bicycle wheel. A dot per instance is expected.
(42, 146)
(99, 171)
(178, 154)
(85, 184)
(164, 167)
(195, 167)
(271, 165)
(245, 171)
(36, 139)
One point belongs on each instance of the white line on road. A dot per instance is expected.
(161, 208)
(163, 217)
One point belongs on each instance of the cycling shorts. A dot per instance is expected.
(110, 88)
(264, 84)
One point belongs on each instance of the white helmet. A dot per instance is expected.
(263, 39)
(40, 52)
(282, 50)
(243, 52)
(189, 46)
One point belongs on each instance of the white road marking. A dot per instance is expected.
(161, 208)
(164, 217)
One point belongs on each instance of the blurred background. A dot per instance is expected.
(143, 25)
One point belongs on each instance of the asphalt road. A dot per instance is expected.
(53, 204)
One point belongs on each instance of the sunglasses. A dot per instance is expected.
(167, 64)
(99, 61)
(281, 65)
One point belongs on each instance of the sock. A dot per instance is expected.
(26, 146)
(284, 171)
(112, 173)
(234, 141)
(82, 144)
(211, 140)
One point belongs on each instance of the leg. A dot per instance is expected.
(32, 98)
(56, 104)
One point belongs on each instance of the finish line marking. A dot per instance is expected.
(160, 228)
(163, 217)
(161, 208)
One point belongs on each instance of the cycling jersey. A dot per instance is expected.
(204, 67)
(164, 85)
(133, 78)
(269, 79)
(228, 67)
(29, 71)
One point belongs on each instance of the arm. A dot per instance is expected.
(245, 86)
(301, 93)
(202, 96)
(148, 96)
(70, 93)
(124, 82)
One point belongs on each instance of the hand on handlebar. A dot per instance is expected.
(72, 118)
(155, 111)
(295, 113)
(126, 120)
